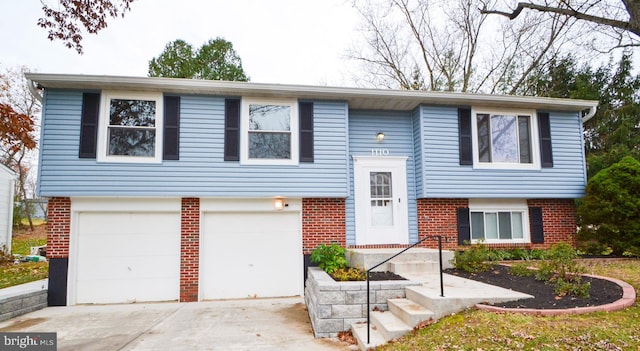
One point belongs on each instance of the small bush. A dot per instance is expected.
(574, 287)
(349, 274)
(522, 270)
(473, 260)
(563, 270)
(329, 258)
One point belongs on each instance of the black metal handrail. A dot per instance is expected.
(439, 237)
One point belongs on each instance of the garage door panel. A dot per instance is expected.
(148, 245)
(260, 253)
(119, 254)
(128, 268)
(151, 289)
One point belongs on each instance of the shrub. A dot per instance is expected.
(609, 211)
(329, 258)
(563, 270)
(473, 260)
(522, 270)
(349, 274)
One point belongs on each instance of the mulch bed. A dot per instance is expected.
(377, 276)
(602, 291)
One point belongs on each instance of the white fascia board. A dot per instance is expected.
(358, 98)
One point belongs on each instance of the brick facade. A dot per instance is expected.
(438, 217)
(323, 222)
(189, 249)
(58, 227)
(559, 221)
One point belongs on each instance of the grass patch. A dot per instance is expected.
(16, 274)
(22, 245)
(11, 274)
(479, 330)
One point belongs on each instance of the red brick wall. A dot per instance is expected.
(189, 249)
(323, 222)
(58, 227)
(439, 217)
(558, 221)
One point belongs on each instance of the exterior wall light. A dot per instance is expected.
(278, 204)
(380, 137)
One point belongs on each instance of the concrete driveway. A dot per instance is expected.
(256, 324)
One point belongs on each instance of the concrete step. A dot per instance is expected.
(409, 312)
(459, 294)
(389, 325)
(376, 339)
(414, 266)
(367, 258)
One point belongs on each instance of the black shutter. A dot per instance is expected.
(305, 110)
(232, 130)
(544, 129)
(171, 128)
(464, 136)
(464, 226)
(535, 223)
(89, 125)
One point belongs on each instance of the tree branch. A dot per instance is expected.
(567, 12)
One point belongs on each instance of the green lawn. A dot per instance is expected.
(478, 330)
(15, 274)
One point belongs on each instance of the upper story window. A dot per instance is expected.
(270, 130)
(505, 139)
(130, 127)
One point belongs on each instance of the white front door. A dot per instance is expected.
(380, 186)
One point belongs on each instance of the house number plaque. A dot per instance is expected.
(379, 152)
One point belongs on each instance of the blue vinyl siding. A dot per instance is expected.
(201, 170)
(398, 131)
(443, 177)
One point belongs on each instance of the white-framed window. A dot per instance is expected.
(499, 221)
(130, 127)
(269, 131)
(505, 139)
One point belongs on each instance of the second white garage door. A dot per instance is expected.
(128, 257)
(251, 255)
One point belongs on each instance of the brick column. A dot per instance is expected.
(323, 222)
(58, 231)
(58, 227)
(189, 249)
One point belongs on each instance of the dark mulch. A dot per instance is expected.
(376, 276)
(602, 291)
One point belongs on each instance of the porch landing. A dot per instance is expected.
(415, 260)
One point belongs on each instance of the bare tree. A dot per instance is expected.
(452, 46)
(616, 19)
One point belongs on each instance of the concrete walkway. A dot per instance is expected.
(256, 324)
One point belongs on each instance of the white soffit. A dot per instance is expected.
(357, 98)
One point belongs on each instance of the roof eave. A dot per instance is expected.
(358, 98)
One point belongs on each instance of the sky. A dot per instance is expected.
(279, 41)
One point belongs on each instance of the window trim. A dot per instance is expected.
(534, 139)
(294, 130)
(501, 205)
(103, 126)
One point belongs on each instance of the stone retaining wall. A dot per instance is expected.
(334, 306)
(13, 306)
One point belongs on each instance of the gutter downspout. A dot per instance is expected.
(592, 111)
(33, 90)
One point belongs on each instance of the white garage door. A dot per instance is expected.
(128, 257)
(251, 255)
